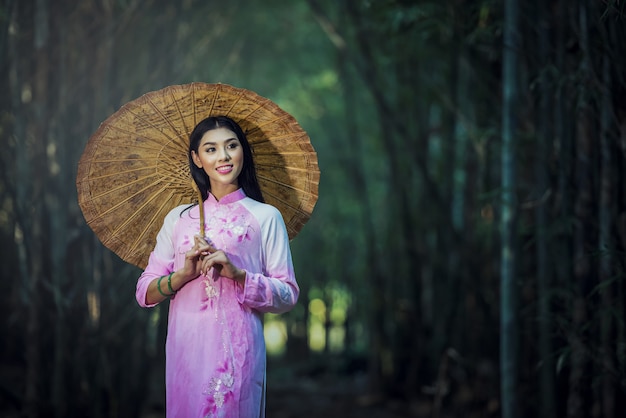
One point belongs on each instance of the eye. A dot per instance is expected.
(209, 149)
(233, 145)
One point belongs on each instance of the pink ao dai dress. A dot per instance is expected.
(215, 350)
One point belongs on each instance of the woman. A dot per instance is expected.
(220, 284)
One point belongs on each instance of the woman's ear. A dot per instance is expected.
(196, 159)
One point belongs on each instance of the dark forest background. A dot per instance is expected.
(466, 255)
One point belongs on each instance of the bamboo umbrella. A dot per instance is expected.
(135, 167)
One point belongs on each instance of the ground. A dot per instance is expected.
(296, 395)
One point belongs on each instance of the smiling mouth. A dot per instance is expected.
(224, 169)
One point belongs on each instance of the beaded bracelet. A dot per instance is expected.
(159, 287)
(169, 284)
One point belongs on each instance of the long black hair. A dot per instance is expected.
(247, 178)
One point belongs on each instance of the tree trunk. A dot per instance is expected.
(55, 194)
(375, 312)
(607, 333)
(577, 405)
(508, 289)
(564, 199)
(28, 210)
(459, 325)
(544, 273)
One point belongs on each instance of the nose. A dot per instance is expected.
(224, 155)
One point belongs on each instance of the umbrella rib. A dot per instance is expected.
(117, 160)
(312, 153)
(295, 209)
(153, 126)
(112, 208)
(218, 88)
(303, 169)
(93, 177)
(165, 119)
(127, 221)
(136, 211)
(281, 184)
(134, 134)
(143, 233)
(286, 140)
(193, 101)
(124, 185)
(133, 147)
(235, 102)
(280, 118)
(261, 105)
(180, 113)
(101, 177)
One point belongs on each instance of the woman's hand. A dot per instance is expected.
(219, 261)
(193, 258)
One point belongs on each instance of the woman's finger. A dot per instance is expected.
(192, 253)
(213, 260)
(203, 245)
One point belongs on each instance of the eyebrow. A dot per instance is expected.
(215, 143)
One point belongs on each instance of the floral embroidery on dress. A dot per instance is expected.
(186, 241)
(219, 387)
(234, 229)
(210, 293)
(226, 226)
(210, 289)
(218, 391)
(229, 222)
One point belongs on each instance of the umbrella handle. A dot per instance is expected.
(201, 204)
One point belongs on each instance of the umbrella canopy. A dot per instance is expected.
(135, 167)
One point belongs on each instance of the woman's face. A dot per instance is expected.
(220, 155)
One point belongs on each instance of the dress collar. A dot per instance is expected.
(229, 198)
